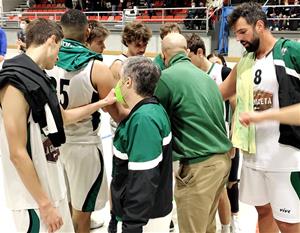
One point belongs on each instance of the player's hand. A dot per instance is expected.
(110, 98)
(246, 118)
(232, 152)
(51, 217)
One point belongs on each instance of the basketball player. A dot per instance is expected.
(31, 132)
(82, 79)
(266, 78)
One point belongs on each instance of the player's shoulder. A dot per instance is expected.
(99, 64)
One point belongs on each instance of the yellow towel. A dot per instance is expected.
(244, 137)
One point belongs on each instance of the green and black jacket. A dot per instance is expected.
(286, 55)
(141, 186)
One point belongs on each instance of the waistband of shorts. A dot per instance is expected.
(83, 140)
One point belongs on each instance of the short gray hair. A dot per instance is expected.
(144, 74)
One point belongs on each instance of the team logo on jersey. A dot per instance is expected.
(51, 151)
(283, 51)
(284, 210)
(262, 100)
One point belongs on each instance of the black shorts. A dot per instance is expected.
(233, 175)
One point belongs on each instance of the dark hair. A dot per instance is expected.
(167, 28)
(39, 30)
(73, 18)
(214, 54)
(97, 30)
(74, 24)
(194, 42)
(144, 73)
(136, 32)
(250, 11)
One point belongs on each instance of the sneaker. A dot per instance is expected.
(235, 224)
(172, 226)
(96, 224)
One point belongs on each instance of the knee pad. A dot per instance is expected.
(233, 195)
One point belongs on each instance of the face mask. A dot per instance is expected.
(118, 93)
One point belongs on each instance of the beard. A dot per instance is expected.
(252, 46)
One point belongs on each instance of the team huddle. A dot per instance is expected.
(182, 116)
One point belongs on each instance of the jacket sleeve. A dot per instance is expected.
(145, 154)
(162, 92)
(293, 56)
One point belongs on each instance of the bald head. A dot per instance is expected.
(173, 44)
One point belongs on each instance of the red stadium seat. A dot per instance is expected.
(104, 17)
(118, 18)
(179, 18)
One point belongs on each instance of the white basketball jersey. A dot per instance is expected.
(270, 155)
(215, 72)
(75, 89)
(46, 163)
(122, 57)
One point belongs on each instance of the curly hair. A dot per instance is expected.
(250, 11)
(136, 32)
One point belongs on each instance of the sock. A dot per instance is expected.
(225, 228)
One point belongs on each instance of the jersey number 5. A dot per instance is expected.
(62, 84)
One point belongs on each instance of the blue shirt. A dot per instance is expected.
(3, 42)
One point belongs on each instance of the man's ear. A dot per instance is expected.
(87, 33)
(51, 40)
(163, 56)
(200, 52)
(259, 26)
(128, 82)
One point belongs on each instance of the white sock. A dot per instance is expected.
(225, 228)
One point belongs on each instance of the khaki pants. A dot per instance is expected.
(197, 190)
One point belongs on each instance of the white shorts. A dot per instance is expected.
(30, 221)
(86, 176)
(280, 189)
